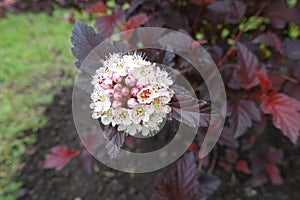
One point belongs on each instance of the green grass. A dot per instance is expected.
(35, 60)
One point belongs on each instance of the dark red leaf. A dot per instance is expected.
(265, 82)
(60, 156)
(208, 183)
(84, 40)
(95, 8)
(231, 155)
(129, 142)
(232, 10)
(242, 113)
(106, 24)
(133, 23)
(280, 13)
(285, 112)
(181, 182)
(190, 110)
(192, 147)
(274, 174)
(270, 39)
(242, 166)
(225, 165)
(259, 179)
(248, 65)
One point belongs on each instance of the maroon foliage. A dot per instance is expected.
(185, 182)
(232, 10)
(248, 65)
(242, 113)
(60, 156)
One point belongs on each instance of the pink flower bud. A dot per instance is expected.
(130, 82)
(125, 91)
(117, 104)
(106, 86)
(131, 102)
(107, 81)
(118, 87)
(134, 91)
(117, 78)
(118, 96)
(140, 86)
(109, 92)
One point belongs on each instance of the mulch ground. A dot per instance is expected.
(104, 183)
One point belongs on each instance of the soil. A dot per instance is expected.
(74, 183)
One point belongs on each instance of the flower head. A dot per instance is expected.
(131, 93)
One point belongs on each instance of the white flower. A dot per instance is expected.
(121, 116)
(131, 93)
(101, 102)
(159, 105)
(107, 118)
(162, 77)
(144, 75)
(131, 129)
(154, 120)
(140, 113)
(146, 95)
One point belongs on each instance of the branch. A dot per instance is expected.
(240, 33)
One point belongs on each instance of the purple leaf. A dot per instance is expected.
(181, 182)
(293, 90)
(270, 39)
(171, 39)
(86, 85)
(232, 10)
(84, 40)
(190, 110)
(106, 24)
(227, 138)
(259, 179)
(275, 155)
(201, 2)
(292, 49)
(231, 155)
(208, 183)
(86, 161)
(279, 14)
(248, 65)
(242, 112)
(114, 141)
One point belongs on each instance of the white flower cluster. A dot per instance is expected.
(131, 93)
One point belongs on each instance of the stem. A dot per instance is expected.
(286, 77)
(198, 12)
(240, 33)
(200, 164)
(213, 162)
